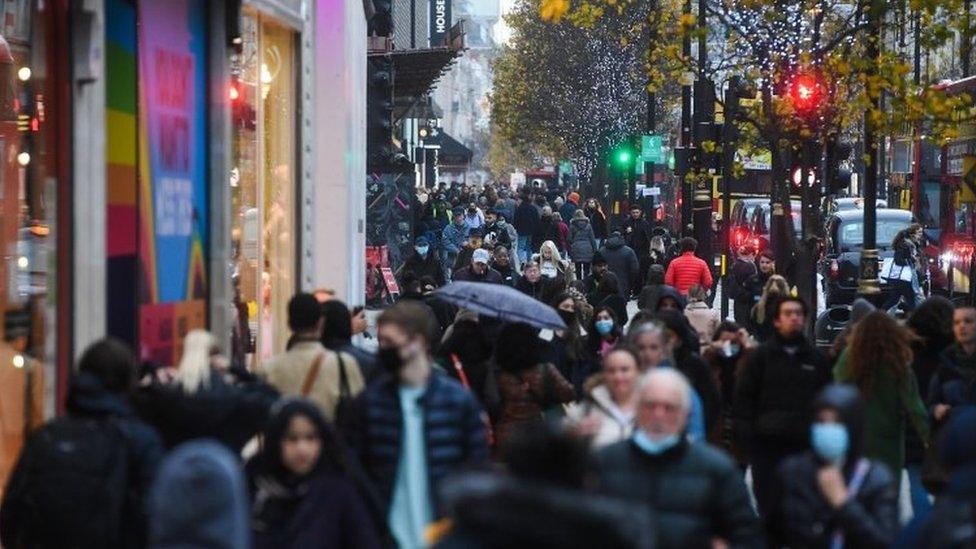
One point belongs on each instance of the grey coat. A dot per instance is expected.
(582, 243)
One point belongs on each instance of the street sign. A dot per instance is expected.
(651, 149)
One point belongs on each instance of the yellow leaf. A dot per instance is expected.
(553, 10)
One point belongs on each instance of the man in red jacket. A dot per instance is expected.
(687, 270)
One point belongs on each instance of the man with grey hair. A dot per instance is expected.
(695, 491)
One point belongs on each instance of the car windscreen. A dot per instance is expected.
(851, 233)
(797, 221)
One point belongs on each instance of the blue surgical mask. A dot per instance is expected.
(731, 350)
(422, 250)
(604, 327)
(830, 441)
(654, 447)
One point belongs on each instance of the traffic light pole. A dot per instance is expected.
(729, 140)
(686, 187)
(868, 283)
(651, 126)
(806, 272)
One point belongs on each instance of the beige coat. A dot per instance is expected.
(614, 425)
(287, 373)
(703, 319)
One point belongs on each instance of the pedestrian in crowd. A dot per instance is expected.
(653, 346)
(305, 490)
(834, 495)
(932, 324)
(774, 393)
(547, 230)
(622, 262)
(696, 492)
(598, 268)
(669, 299)
(422, 262)
(496, 233)
(423, 292)
(597, 219)
(604, 332)
(582, 244)
(539, 500)
(725, 357)
(337, 337)
(199, 499)
(954, 383)
(452, 239)
(659, 253)
(563, 228)
(878, 362)
(474, 242)
(742, 270)
(608, 295)
(532, 283)
(952, 521)
(906, 245)
(527, 221)
(203, 398)
(506, 205)
(530, 389)
(702, 318)
(478, 270)
(761, 326)
(567, 348)
(651, 292)
(860, 309)
(67, 489)
(414, 426)
(754, 285)
(551, 265)
(474, 217)
(465, 354)
(606, 415)
(683, 342)
(637, 231)
(688, 270)
(501, 262)
(308, 369)
(571, 206)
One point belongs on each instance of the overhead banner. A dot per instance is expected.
(440, 21)
(173, 210)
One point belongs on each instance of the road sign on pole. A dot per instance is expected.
(651, 149)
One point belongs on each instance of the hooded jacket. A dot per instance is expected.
(453, 237)
(421, 266)
(621, 261)
(526, 218)
(582, 243)
(199, 499)
(800, 515)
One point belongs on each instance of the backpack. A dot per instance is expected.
(74, 485)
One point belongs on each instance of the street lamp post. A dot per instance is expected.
(868, 283)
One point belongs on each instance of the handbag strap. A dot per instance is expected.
(312, 375)
(853, 487)
(344, 390)
(459, 368)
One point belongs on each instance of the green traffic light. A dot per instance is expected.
(623, 157)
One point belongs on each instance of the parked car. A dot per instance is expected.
(845, 240)
(740, 222)
(762, 224)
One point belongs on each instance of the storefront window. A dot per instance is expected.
(263, 188)
(27, 230)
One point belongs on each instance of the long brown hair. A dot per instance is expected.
(878, 341)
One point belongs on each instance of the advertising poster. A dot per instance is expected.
(172, 174)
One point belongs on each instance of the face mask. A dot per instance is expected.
(568, 316)
(500, 222)
(654, 447)
(604, 326)
(390, 359)
(829, 440)
(731, 349)
(422, 250)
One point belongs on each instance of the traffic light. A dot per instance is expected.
(381, 24)
(379, 111)
(623, 157)
(807, 93)
(838, 178)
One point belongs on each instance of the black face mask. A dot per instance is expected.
(390, 360)
(568, 316)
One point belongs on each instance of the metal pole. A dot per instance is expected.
(686, 188)
(868, 283)
(728, 160)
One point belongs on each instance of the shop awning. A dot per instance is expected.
(452, 152)
(416, 71)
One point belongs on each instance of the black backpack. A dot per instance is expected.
(73, 486)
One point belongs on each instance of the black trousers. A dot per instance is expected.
(765, 456)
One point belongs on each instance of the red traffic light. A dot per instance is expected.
(806, 93)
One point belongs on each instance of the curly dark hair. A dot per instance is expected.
(932, 321)
(879, 341)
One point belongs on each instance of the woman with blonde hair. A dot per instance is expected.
(201, 358)
(762, 321)
(551, 264)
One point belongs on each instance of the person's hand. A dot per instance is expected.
(832, 486)
(719, 543)
(940, 411)
(745, 339)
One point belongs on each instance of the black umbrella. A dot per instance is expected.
(501, 302)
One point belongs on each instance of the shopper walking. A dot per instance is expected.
(582, 244)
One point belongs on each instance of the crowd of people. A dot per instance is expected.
(669, 427)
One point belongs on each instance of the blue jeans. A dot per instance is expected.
(524, 243)
(920, 498)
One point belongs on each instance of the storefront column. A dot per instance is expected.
(221, 311)
(337, 236)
